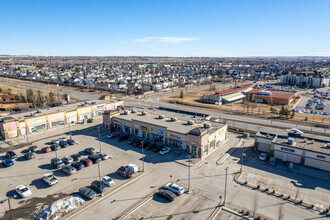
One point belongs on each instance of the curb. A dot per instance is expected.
(226, 155)
(134, 207)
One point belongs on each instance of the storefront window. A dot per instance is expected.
(157, 138)
(57, 123)
(175, 143)
(205, 149)
(38, 127)
(136, 132)
(144, 134)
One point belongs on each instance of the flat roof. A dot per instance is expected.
(234, 89)
(51, 110)
(274, 93)
(178, 126)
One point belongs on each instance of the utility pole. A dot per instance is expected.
(189, 174)
(27, 135)
(224, 199)
(70, 130)
(98, 128)
(11, 211)
(142, 157)
(98, 165)
(242, 158)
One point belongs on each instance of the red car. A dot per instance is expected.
(46, 149)
(126, 171)
(87, 162)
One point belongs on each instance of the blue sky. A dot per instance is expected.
(165, 27)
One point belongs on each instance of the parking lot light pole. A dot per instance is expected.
(189, 174)
(98, 128)
(70, 130)
(242, 158)
(142, 157)
(224, 198)
(10, 210)
(98, 165)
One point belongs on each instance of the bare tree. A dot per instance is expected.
(255, 203)
(253, 106)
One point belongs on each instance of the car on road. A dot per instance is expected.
(87, 162)
(67, 159)
(113, 135)
(55, 147)
(58, 163)
(29, 155)
(78, 165)
(103, 156)
(63, 144)
(167, 194)
(33, 148)
(50, 179)
(263, 156)
(68, 169)
(46, 149)
(164, 150)
(108, 181)
(175, 188)
(90, 150)
(87, 193)
(11, 154)
(98, 186)
(94, 158)
(8, 162)
(71, 142)
(23, 191)
(76, 157)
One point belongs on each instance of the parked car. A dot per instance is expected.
(63, 144)
(94, 158)
(8, 162)
(175, 188)
(67, 159)
(113, 135)
(11, 154)
(131, 141)
(71, 142)
(68, 169)
(103, 156)
(165, 150)
(62, 139)
(263, 156)
(50, 179)
(123, 137)
(55, 147)
(90, 150)
(156, 148)
(98, 186)
(23, 191)
(87, 162)
(58, 163)
(33, 148)
(108, 181)
(78, 165)
(167, 194)
(29, 155)
(90, 120)
(126, 171)
(46, 149)
(134, 167)
(147, 146)
(55, 141)
(294, 131)
(87, 193)
(76, 157)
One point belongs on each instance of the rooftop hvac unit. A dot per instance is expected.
(93, 102)
(38, 111)
(328, 144)
(144, 113)
(32, 114)
(133, 110)
(290, 140)
(127, 112)
(174, 119)
(161, 116)
(207, 125)
(85, 102)
(191, 122)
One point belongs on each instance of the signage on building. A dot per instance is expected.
(321, 157)
(37, 120)
(143, 128)
(114, 120)
(98, 107)
(160, 132)
(193, 143)
(123, 122)
(174, 136)
(287, 149)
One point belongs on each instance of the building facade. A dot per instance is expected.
(306, 79)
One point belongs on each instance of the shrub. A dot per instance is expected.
(266, 189)
(282, 195)
(327, 210)
(258, 186)
(301, 201)
(289, 197)
(312, 206)
(247, 213)
(258, 218)
(273, 191)
(245, 182)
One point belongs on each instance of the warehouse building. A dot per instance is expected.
(198, 137)
(20, 124)
(232, 94)
(308, 151)
(270, 96)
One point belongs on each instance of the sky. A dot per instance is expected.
(182, 28)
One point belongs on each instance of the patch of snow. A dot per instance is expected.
(60, 208)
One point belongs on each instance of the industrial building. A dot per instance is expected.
(20, 124)
(304, 150)
(270, 96)
(196, 136)
(232, 94)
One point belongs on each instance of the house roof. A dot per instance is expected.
(274, 93)
(234, 89)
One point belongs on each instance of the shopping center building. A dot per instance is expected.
(22, 123)
(196, 136)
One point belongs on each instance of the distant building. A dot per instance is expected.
(270, 96)
(232, 94)
(306, 79)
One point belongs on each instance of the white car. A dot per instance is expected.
(263, 156)
(108, 181)
(165, 150)
(23, 191)
(113, 135)
(134, 167)
(55, 141)
(62, 139)
(50, 179)
(103, 156)
(175, 188)
(294, 131)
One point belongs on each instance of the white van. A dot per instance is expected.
(134, 167)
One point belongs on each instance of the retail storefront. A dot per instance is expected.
(98, 110)
(176, 140)
(84, 113)
(71, 117)
(126, 127)
(317, 160)
(289, 154)
(36, 124)
(116, 125)
(56, 119)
